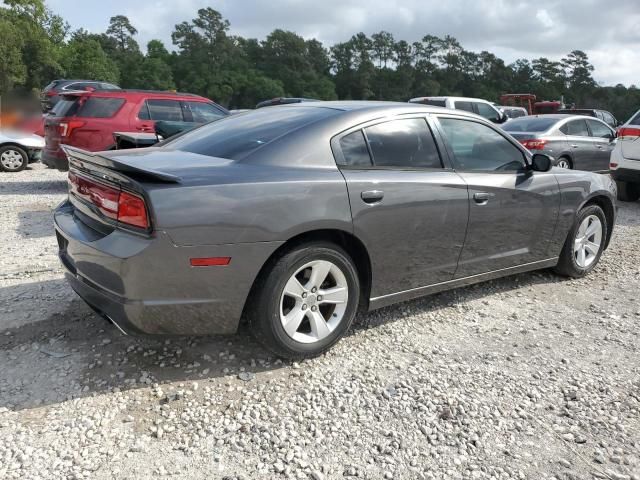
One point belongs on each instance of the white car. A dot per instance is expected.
(625, 160)
(474, 105)
(18, 149)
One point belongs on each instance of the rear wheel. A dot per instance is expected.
(13, 159)
(306, 301)
(564, 162)
(628, 192)
(584, 244)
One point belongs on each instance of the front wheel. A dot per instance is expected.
(13, 159)
(584, 244)
(564, 162)
(306, 301)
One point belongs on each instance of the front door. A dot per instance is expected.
(409, 210)
(603, 143)
(512, 210)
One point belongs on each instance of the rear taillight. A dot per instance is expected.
(628, 133)
(534, 144)
(113, 203)
(132, 210)
(67, 128)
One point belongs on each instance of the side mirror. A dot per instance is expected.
(541, 162)
(613, 136)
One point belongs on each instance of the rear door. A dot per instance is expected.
(512, 210)
(580, 144)
(409, 208)
(154, 109)
(604, 140)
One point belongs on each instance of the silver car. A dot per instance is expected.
(574, 141)
(18, 149)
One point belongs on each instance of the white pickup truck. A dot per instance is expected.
(625, 160)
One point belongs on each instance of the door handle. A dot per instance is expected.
(372, 196)
(481, 198)
(574, 146)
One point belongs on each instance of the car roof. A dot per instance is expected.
(131, 93)
(452, 98)
(558, 117)
(369, 105)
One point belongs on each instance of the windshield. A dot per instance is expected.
(235, 137)
(528, 124)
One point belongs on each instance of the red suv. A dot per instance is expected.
(88, 120)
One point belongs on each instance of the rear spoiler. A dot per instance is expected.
(84, 160)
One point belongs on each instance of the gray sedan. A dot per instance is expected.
(574, 141)
(294, 218)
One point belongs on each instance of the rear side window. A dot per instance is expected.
(160, 109)
(236, 136)
(406, 143)
(97, 107)
(577, 128)
(202, 112)
(66, 107)
(609, 119)
(466, 106)
(435, 103)
(354, 150)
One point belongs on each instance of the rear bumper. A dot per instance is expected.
(56, 160)
(147, 285)
(626, 175)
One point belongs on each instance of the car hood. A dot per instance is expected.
(28, 140)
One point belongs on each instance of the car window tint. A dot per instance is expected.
(608, 118)
(466, 106)
(66, 107)
(143, 114)
(486, 111)
(202, 112)
(354, 150)
(406, 143)
(599, 129)
(236, 136)
(168, 110)
(96, 107)
(478, 147)
(576, 128)
(433, 102)
(530, 124)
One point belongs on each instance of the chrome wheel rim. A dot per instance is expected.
(562, 163)
(586, 245)
(314, 301)
(11, 159)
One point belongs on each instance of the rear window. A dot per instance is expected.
(97, 107)
(635, 120)
(529, 124)
(235, 137)
(66, 107)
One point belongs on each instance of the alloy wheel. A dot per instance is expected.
(11, 159)
(586, 245)
(563, 163)
(314, 301)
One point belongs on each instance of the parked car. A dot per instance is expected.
(572, 140)
(625, 160)
(284, 101)
(474, 105)
(606, 117)
(89, 119)
(18, 149)
(295, 217)
(548, 107)
(513, 112)
(51, 93)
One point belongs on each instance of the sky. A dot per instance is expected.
(607, 30)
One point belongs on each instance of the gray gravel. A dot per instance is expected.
(532, 377)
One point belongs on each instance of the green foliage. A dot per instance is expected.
(36, 47)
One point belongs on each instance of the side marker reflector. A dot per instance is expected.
(210, 261)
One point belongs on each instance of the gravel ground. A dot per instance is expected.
(532, 377)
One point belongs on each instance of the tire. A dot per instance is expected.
(13, 158)
(566, 161)
(628, 192)
(268, 311)
(571, 263)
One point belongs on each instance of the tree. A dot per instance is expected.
(83, 57)
(121, 30)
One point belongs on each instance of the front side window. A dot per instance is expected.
(487, 112)
(406, 143)
(599, 129)
(161, 109)
(477, 147)
(202, 112)
(576, 128)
